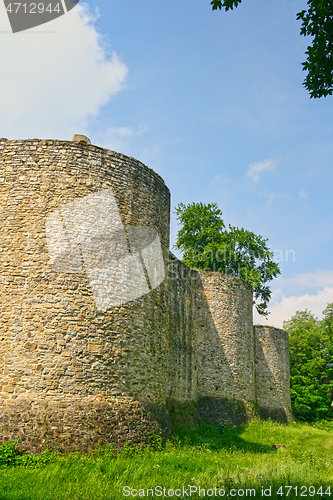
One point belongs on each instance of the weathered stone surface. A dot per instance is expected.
(71, 423)
(272, 373)
(226, 345)
(64, 364)
(83, 139)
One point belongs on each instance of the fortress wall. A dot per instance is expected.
(182, 310)
(272, 373)
(76, 369)
(76, 422)
(55, 345)
(225, 349)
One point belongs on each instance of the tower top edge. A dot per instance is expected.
(73, 145)
(270, 327)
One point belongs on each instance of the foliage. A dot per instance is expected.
(10, 455)
(327, 320)
(317, 22)
(311, 364)
(206, 244)
(227, 4)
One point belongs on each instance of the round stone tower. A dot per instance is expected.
(226, 349)
(84, 241)
(273, 373)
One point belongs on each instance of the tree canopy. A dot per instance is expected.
(317, 21)
(206, 244)
(311, 364)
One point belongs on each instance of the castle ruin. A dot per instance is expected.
(80, 366)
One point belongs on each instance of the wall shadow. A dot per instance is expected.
(209, 437)
(199, 366)
(272, 374)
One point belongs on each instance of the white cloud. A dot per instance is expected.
(317, 279)
(274, 196)
(255, 170)
(219, 180)
(282, 308)
(54, 77)
(118, 138)
(303, 194)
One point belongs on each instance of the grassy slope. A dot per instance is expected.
(239, 458)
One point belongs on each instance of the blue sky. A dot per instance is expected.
(212, 101)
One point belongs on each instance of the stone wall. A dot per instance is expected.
(72, 422)
(74, 373)
(272, 373)
(184, 330)
(211, 343)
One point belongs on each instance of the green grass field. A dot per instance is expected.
(240, 463)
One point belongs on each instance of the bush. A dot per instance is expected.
(10, 455)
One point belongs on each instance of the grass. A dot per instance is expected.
(236, 461)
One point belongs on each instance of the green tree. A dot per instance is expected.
(206, 244)
(311, 364)
(327, 321)
(317, 21)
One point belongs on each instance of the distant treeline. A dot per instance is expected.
(311, 364)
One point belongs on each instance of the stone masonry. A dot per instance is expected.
(73, 375)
